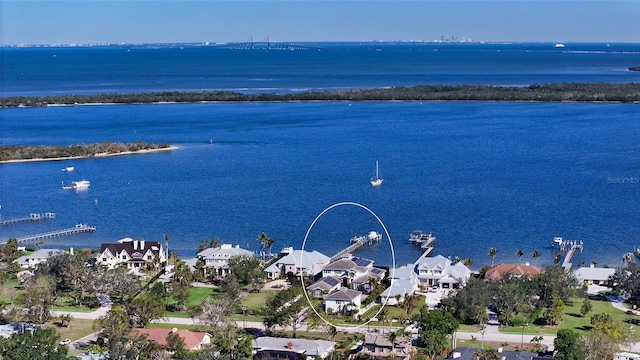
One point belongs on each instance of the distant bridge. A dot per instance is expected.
(268, 45)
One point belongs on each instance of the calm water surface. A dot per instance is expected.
(479, 175)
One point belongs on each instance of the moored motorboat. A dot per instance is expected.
(418, 237)
(77, 185)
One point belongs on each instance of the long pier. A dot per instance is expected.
(79, 228)
(356, 243)
(33, 217)
(566, 264)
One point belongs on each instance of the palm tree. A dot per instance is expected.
(535, 255)
(263, 238)
(557, 258)
(382, 317)
(468, 262)
(269, 243)
(392, 338)
(628, 259)
(65, 319)
(493, 252)
(519, 253)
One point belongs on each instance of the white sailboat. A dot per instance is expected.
(376, 181)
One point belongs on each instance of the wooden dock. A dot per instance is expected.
(356, 243)
(566, 264)
(31, 218)
(427, 251)
(78, 229)
(428, 243)
(348, 250)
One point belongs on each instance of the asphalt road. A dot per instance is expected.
(490, 333)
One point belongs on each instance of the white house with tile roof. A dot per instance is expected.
(134, 254)
(594, 275)
(440, 272)
(342, 300)
(309, 263)
(324, 286)
(267, 347)
(39, 256)
(404, 282)
(355, 272)
(217, 258)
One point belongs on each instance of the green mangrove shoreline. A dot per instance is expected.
(27, 153)
(561, 92)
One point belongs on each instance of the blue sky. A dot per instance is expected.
(144, 21)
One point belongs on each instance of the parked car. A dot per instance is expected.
(65, 342)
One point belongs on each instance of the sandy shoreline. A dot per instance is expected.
(145, 151)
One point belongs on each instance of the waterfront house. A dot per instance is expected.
(134, 254)
(324, 286)
(501, 271)
(404, 282)
(356, 272)
(380, 346)
(217, 258)
(32, 260)
(193, 340)
(296, 262)
(594, 275)
(267, 347)
(343, 300)
(438, 271)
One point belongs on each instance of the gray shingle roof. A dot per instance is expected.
(344, 294)
(302, 346)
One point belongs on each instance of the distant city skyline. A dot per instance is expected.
(147, 21)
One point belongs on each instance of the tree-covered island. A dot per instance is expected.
(31, 152)
(562, 92)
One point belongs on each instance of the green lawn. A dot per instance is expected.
(178, 314)
(573, 320)
(10, 290)
(197, 294)
(78, 328)
(255, 301)
(72, 309)
(171, 326)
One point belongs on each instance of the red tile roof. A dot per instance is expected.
(498, 272)
(192, 339)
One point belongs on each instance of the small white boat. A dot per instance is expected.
(557, 240)
(69, 169)
(374, 236)
(418, 237)
(559, 45)
(77, 185)
(376, 181)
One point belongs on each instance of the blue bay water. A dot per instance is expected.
(333, 66)
(479, 175)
